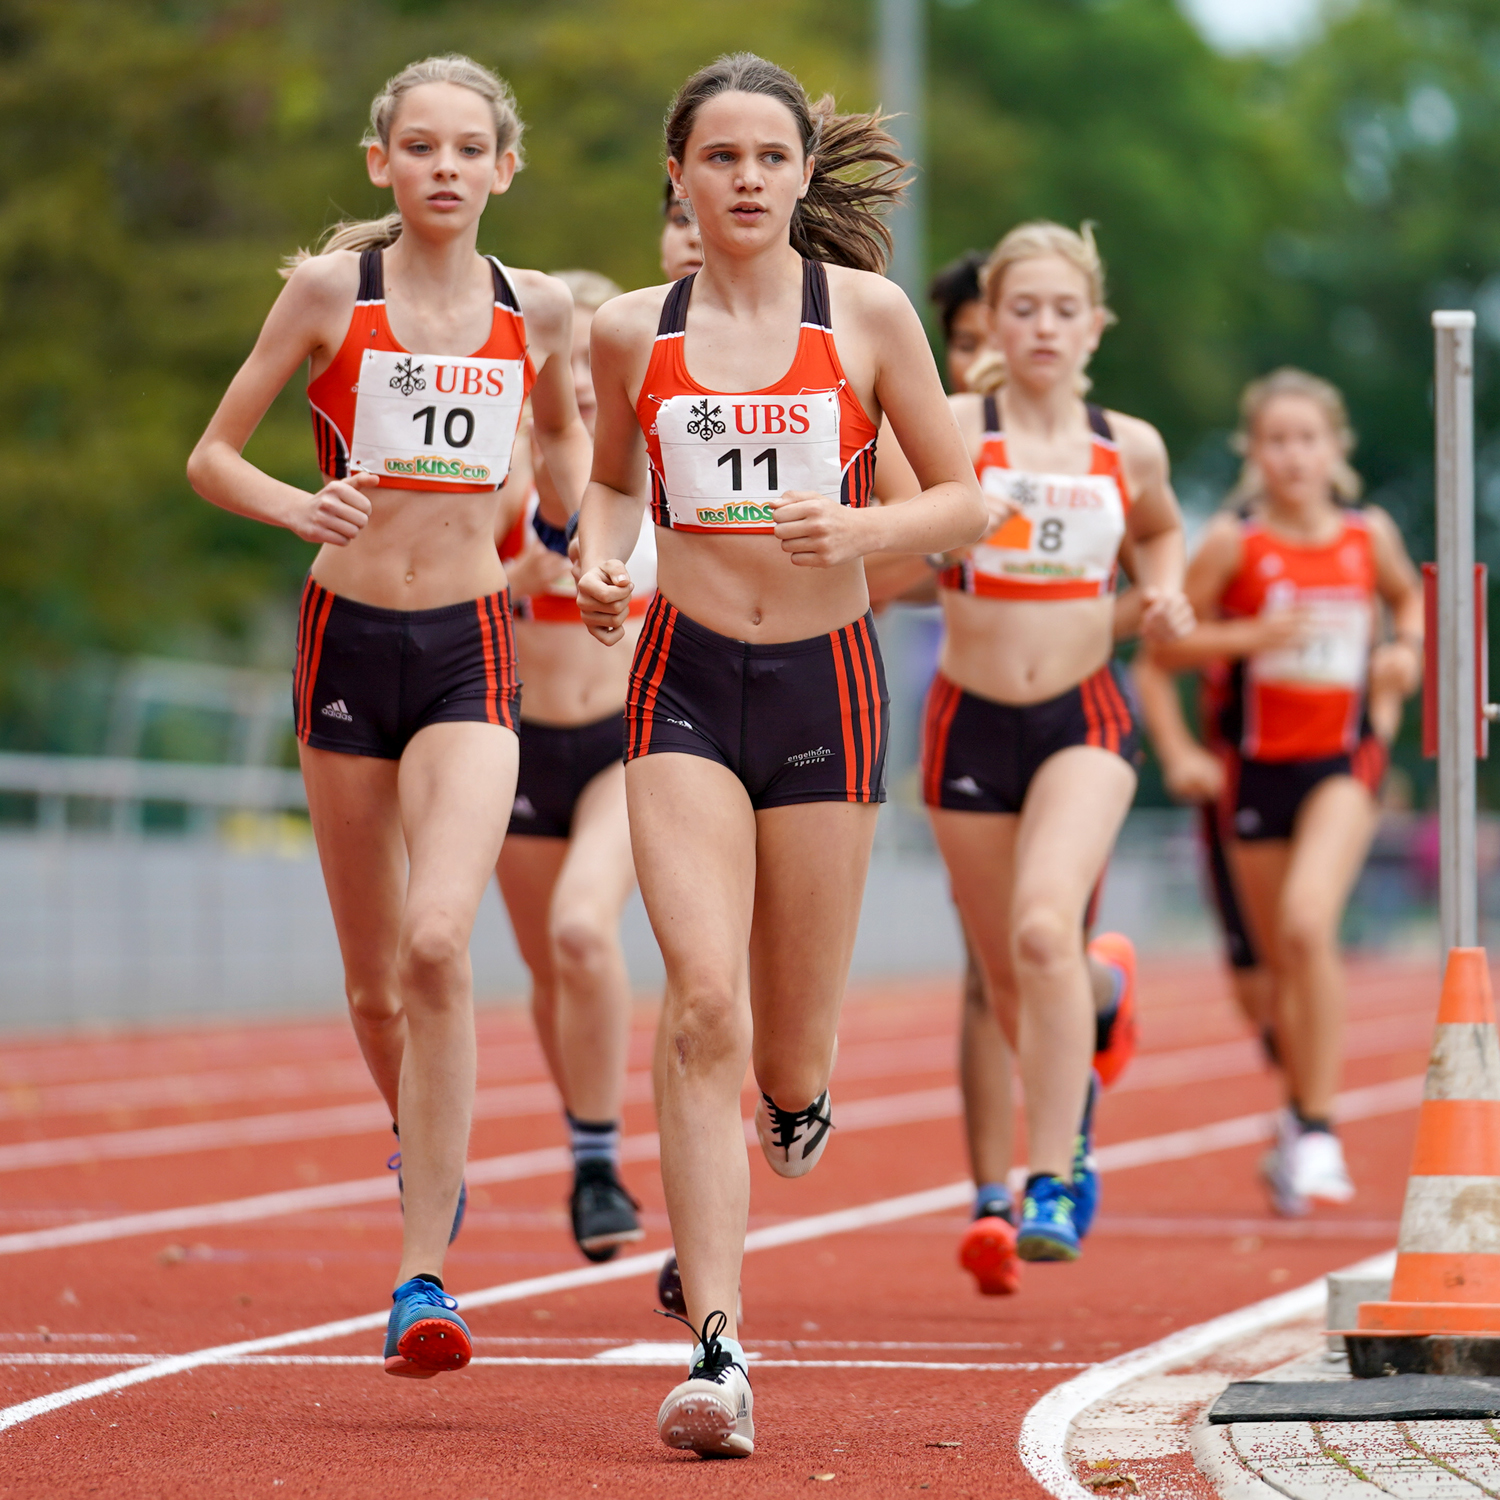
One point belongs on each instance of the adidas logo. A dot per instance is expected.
(965, 784)
(338, 709)
(522, 808)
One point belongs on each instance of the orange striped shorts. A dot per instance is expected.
(980, 756)
(367, 679)
(796, 721)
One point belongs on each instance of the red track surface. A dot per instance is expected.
(1176, 1243)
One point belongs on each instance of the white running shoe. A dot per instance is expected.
(1318, 1169)
(1276, 1168)
(712, 1411)
(793, 1140)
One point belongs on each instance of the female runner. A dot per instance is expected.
(1287, 592)
(1029, 744)
(406, 686)
(565, 869)
(681, 245)
(757, 713)
(987, 1250)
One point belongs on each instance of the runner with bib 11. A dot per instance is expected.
(751, 393)
(406, 692)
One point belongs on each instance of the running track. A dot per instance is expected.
(166, 1193)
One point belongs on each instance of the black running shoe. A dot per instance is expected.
(604, 1214)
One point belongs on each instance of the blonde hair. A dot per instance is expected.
(1288, 381)
(1037, 240)
(590, 289)
(455, 68)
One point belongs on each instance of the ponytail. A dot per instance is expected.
(858, 170)
(377, 234)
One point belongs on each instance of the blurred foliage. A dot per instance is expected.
(164, 154)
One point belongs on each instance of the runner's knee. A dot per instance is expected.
(434, 953)
(706, 1026)
(581, 945)
(374, 999)
(1045, 939)
(1304, 934)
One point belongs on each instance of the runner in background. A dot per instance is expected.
(757, 716)
(1030, 740)
(681, 244)
(986, 1062)
(1287, 592)
(565, 869)
(406, 688)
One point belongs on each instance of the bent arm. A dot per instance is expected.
(561, 439)
(1208, 576)
(217, 468)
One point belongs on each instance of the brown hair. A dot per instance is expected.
(858, 169)
(1288, 381)
(1034, 241)
(369, 234)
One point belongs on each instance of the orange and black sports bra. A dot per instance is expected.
(421, 421)
(717, 458)
(1062, 537)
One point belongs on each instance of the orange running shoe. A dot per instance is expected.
(1118, 952)
(988, 1253)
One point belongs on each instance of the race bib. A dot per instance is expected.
(725, 457)
(436, 418)
(1064, 528)
(1335, 653)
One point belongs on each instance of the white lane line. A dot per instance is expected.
(842, 1221)
(1153, 1070)
(858, 1114)
(1044, 1432)
(618, 1362)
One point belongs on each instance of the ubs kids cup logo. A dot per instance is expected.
(737, 513)
(432, 466)
(706, 424)
(407, 378)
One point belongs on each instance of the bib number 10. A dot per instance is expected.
(734, 457)
(458, 426)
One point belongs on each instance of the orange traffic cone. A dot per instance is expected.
(1444, 1313)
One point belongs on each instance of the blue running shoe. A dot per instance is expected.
(394, 1165)
(425, 1335)
(1047, 1228)
(1085, 1169)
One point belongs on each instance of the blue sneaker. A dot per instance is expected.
(1085, 1169)
(1047, 1228)
(394, 1165)
(425, 1335)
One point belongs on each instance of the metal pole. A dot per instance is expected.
(903, 76)
(1458, 897)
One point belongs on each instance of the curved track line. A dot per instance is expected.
(1044, 1433)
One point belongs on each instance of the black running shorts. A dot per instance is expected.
(557, 762)
(368, 679)
(1270, 793)
(980, 756)
(797, 721)
(1239, 946)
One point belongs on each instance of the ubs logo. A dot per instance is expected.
(408, 378)
(706, 423)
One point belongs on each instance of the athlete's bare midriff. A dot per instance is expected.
(746, 587)
(421, 549)
(567, 677)
(1022, 650)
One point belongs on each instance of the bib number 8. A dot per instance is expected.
(428, 414)
(1050, 537)
(735, 459)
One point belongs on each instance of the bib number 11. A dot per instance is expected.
(734, 457)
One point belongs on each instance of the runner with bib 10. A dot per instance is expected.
(751, 392)
(406, 691)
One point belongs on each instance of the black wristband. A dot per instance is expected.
(572, 530)
(554, 538)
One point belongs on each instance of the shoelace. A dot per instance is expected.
(394, 1164)
(424, 1291)
(1053, 1208)
(785, 1123)
(717, 1360)
(599, 1183)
